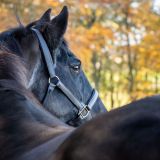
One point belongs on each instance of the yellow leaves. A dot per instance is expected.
(113, 25)
(84, 42)
(144, 83)
(99, 30)
(99, 12)
(142, 50)
(149, 51)
(6, 22)
(84, 10)
(53, 3)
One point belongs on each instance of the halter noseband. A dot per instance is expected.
(54, 81)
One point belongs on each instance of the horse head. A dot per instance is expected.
(24, 42)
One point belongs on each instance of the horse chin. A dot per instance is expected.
(96, 110)
(78, 122)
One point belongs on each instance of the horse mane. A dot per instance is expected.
(12, 67)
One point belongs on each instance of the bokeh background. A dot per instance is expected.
(118, 42)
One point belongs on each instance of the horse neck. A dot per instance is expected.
(43, 131)
(47, 150)
(13, 75)
(37, 126)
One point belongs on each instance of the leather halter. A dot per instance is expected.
(54, 81)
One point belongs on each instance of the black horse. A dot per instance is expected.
(23, 42)
(128, 133)
(26, 127)
(29, 132)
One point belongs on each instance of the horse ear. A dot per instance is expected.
(45, 17)
(60, 22)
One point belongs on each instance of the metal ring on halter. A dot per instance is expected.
(84, 112)
(54, 81)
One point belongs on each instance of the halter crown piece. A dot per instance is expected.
(54, 81)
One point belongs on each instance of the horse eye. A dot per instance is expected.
(76, 66)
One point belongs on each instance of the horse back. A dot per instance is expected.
(129, 133)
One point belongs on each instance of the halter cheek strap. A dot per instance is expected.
(54, 81)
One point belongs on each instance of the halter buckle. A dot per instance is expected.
(84, 112)
(53, 81)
